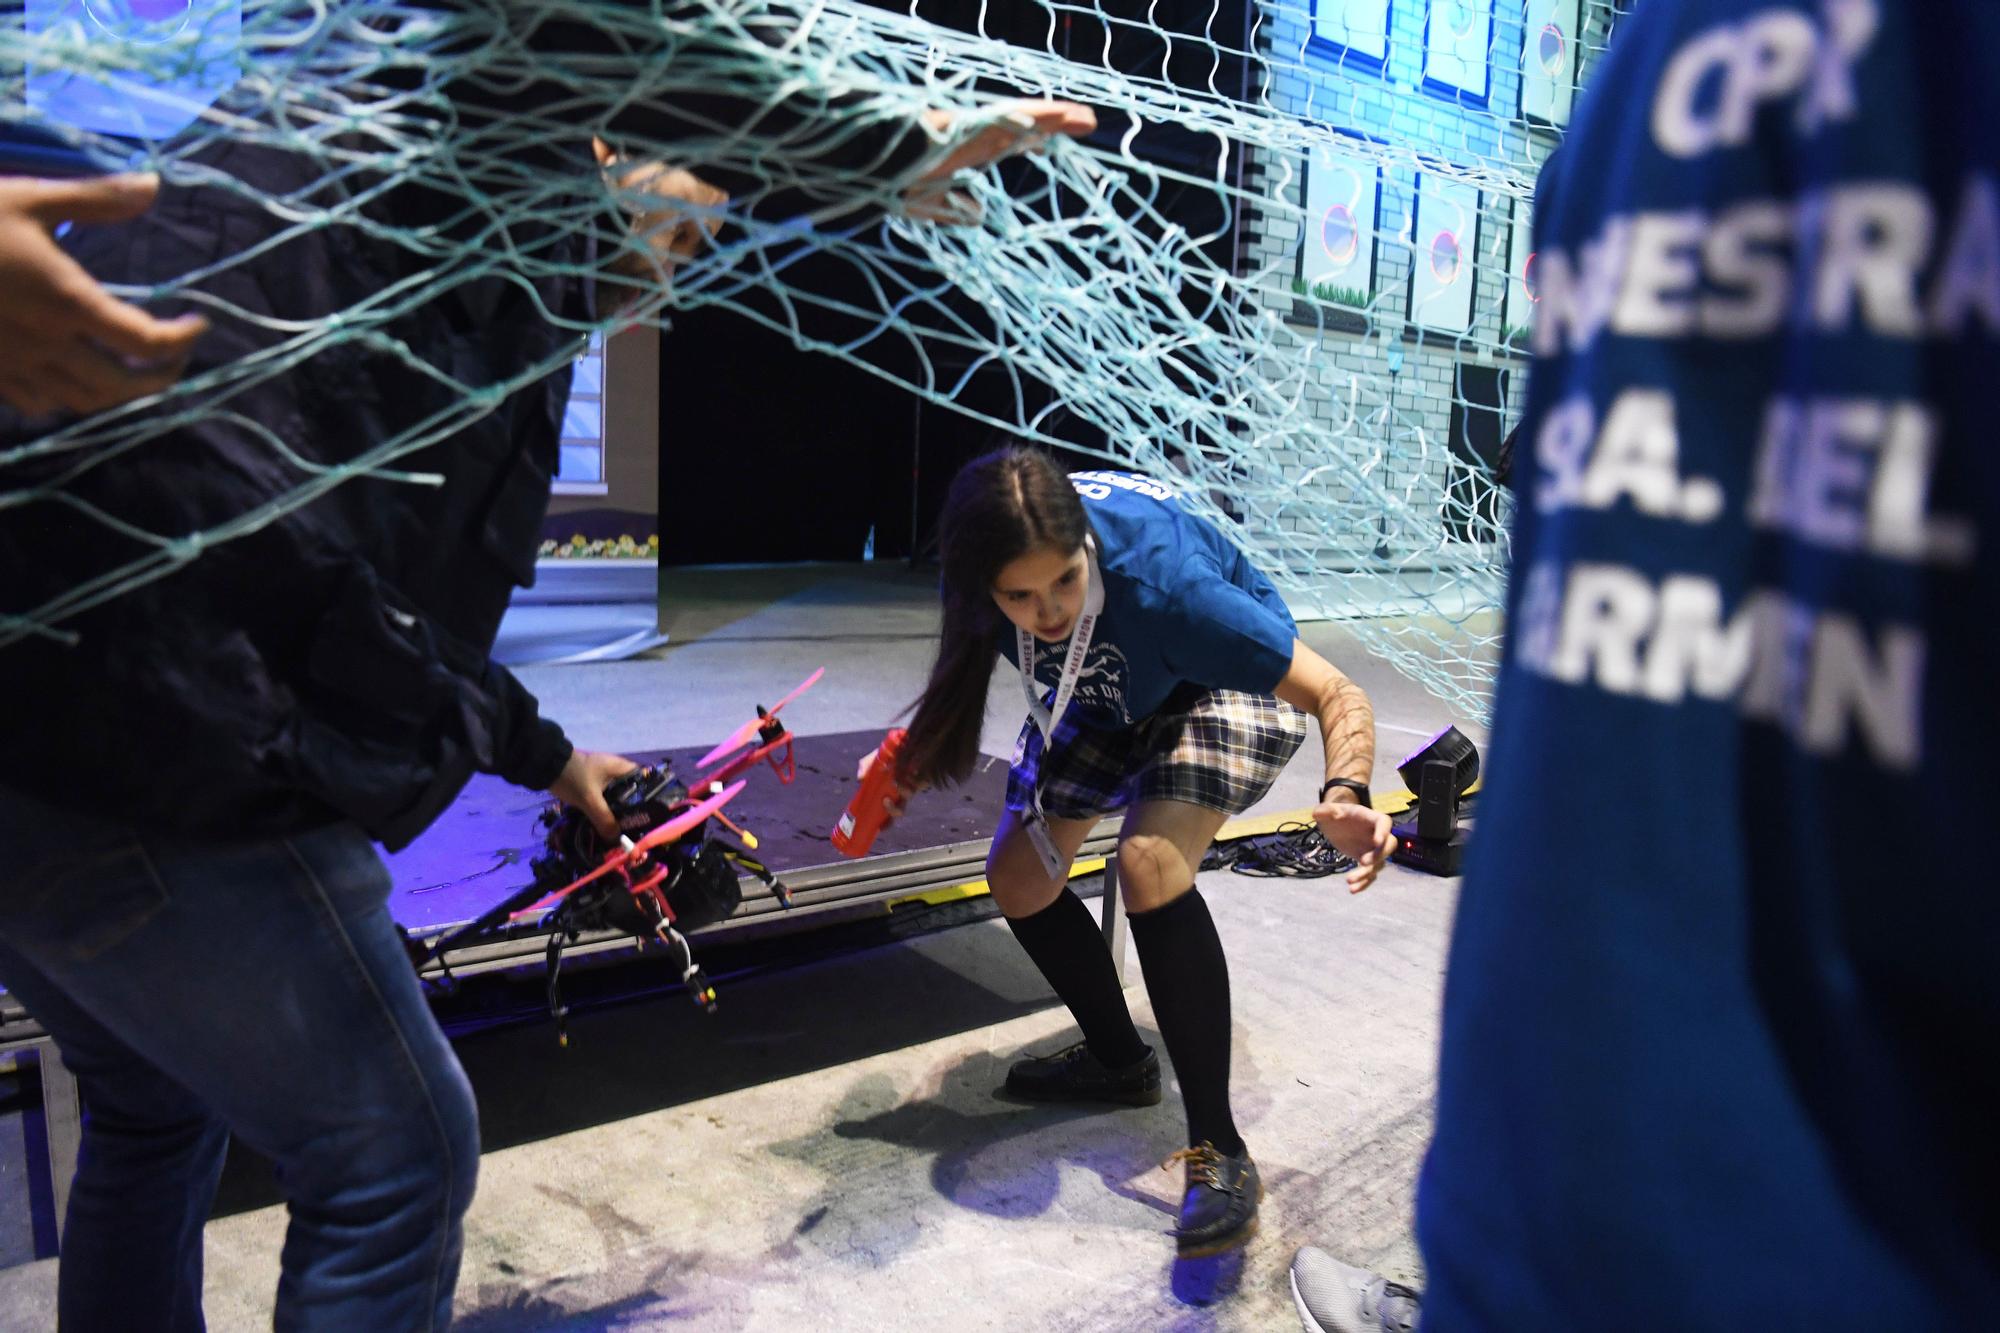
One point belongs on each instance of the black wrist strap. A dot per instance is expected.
(1360, 790)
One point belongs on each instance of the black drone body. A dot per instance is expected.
(650, 891)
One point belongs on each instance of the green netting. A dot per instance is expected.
(1302, 397)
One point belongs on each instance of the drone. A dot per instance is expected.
(668, 872)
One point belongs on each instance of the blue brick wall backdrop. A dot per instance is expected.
(1395, 245)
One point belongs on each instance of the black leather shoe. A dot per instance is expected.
(1219, 1207)
(1075, 1075)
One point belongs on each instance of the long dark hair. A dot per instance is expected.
(1001, 506)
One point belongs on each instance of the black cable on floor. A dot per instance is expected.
(1295, 851)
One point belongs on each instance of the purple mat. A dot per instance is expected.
(478, 851)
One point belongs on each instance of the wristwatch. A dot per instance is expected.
(1360, 790)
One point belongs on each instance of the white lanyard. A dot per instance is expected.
(1046, 718)
(1079, 648)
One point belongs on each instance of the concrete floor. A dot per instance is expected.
(826, 1152)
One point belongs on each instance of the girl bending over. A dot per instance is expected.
(1163, 677)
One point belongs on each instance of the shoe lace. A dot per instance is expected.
(1204, 1165)
(1397, 1307)
(1067, 1055)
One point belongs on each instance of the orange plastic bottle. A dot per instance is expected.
(864, 818)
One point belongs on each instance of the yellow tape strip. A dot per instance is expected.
(1388, 802)
(958, 892)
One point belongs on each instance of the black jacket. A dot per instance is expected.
(333, 664)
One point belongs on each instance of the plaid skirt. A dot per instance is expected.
(1218, 749)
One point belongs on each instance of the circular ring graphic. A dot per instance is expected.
(1340, 237)
(1528, 280)
(140, 22)
(1446, 258)
(1552, 50)
(1459, 17)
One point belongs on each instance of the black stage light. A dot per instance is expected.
(1440, 772)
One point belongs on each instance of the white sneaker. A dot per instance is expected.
(1334, 1297)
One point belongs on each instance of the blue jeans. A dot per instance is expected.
(199, 989)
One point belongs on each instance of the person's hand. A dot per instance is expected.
(1025, 127)
(686, 218)
(71, 345)
(898, 799)
(1359, 832)
(581, 787)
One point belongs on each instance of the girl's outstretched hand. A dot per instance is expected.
(1359, 832)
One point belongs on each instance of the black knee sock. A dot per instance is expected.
(1066, 944)
(1188, 980)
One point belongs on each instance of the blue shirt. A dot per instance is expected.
(1181, 607)
(1723, 1000)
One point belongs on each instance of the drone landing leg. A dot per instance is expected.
(692, 976)
(763, 872)
(557, 1009)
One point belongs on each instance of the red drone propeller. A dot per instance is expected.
(744, 734)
